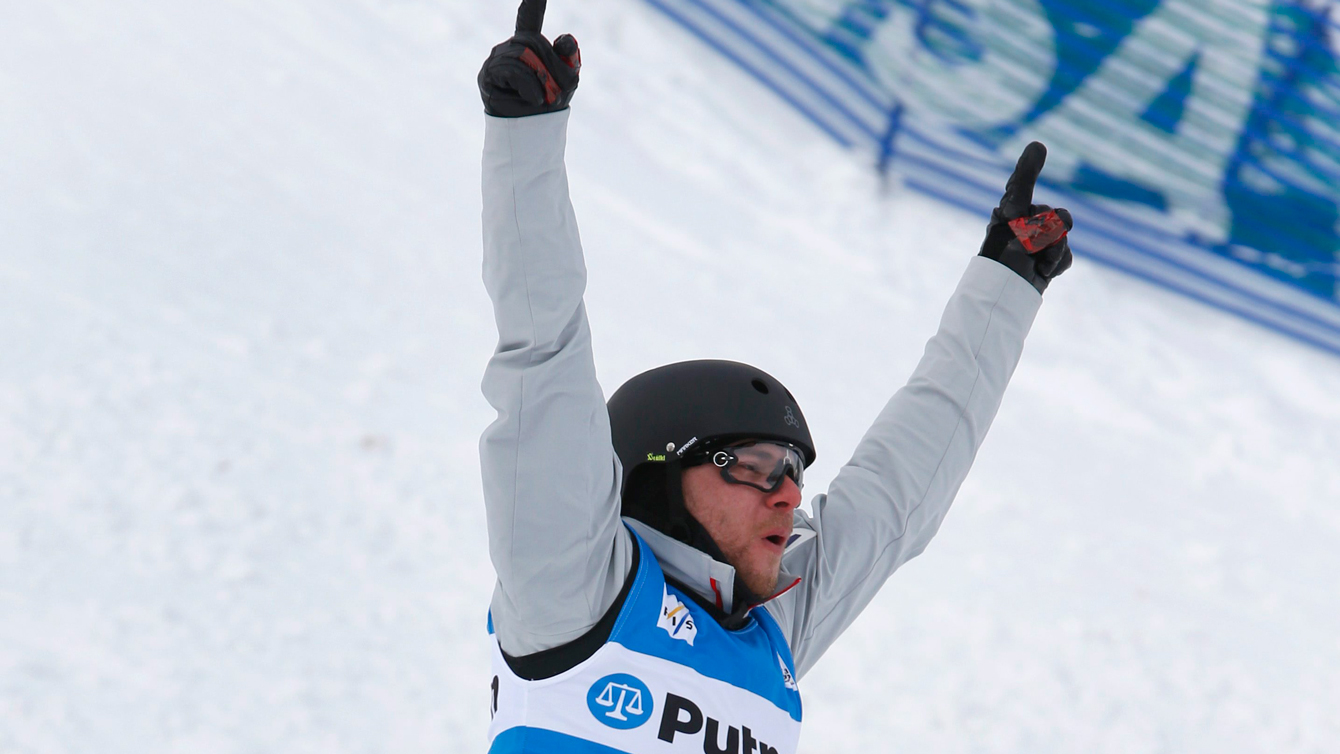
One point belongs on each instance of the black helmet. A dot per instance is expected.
(694, 404)
(659, 418)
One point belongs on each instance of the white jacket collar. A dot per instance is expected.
(713, 580)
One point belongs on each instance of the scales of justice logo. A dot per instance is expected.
(620, 701)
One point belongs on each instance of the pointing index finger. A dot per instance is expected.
(1019, 189)
(530, 16)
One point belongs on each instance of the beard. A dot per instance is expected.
(758, 574)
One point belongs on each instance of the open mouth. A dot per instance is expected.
(776, 539)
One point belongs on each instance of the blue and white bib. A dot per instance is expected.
(669, 679)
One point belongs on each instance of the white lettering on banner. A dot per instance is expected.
(817, 15)
(1099, 124)
(1017, 57)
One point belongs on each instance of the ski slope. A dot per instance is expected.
(242, 329)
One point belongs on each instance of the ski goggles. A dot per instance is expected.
(762, 465)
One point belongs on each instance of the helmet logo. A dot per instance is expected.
(791, 418)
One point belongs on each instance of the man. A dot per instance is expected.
(685, 623)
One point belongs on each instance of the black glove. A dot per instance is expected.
(526, 75)
(1028, 238)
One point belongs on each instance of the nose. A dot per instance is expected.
(786, 496)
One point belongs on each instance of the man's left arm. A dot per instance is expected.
(887, 502)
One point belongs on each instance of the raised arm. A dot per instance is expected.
(549, 471)
(887, 503)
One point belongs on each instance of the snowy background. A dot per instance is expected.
(242, 329)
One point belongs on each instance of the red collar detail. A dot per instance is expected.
(784, 590)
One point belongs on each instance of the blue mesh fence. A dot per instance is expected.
(1198, 140)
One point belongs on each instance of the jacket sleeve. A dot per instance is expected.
(888, 501)
(551, 478)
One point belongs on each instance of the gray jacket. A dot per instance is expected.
(551, 478)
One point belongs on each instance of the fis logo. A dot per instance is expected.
(620, 701)
(787, 678)
(676, 619)
(682, 716)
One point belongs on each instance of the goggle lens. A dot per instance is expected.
(761, 465)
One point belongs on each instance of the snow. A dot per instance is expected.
(243, 329)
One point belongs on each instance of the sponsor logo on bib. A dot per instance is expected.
(682, 715)
(676, 619)
(787, 678)
(620, 701)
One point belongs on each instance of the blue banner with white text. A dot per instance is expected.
(1198, 140)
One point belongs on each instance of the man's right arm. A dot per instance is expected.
(887, 503)
(551, 478)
